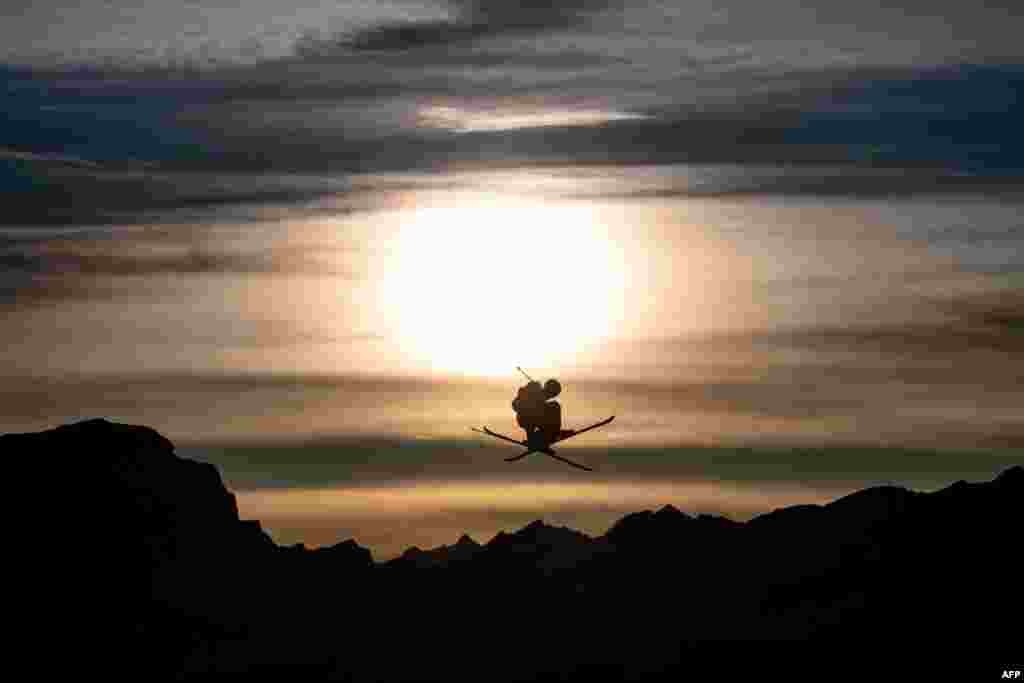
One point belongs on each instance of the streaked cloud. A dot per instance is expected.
(351, 88)
(474, 20)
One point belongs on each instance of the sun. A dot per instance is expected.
(478, 288)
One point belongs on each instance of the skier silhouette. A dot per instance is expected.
(540, 416)
(537, 413)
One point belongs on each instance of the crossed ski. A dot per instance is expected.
(544, 447)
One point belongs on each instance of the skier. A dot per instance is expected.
(538, 414)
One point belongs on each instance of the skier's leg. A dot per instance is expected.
(555, 423)
(552, 422)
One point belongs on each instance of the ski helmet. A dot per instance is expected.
(552, 388)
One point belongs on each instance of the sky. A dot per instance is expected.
(310, 242)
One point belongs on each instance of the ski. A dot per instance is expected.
(496, 435)
(546, 449)
(602, 423)
(550, 453)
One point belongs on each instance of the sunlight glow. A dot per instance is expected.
(470, 120)
(479, 288)
(539, 497)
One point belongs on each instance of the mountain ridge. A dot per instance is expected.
(171, 573)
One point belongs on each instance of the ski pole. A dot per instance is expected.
(524, 373)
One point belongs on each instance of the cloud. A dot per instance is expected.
(961, 116)
(120, 142)
(473, 20)
(9, 154)
(101, 259)
(41, 268)
(985, 317)
(48, 190)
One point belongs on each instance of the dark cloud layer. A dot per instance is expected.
(474, 19)
(84, 144)
(949, 120)
(75, 259)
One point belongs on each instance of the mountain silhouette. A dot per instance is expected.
(138, 564)
(463, 550)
